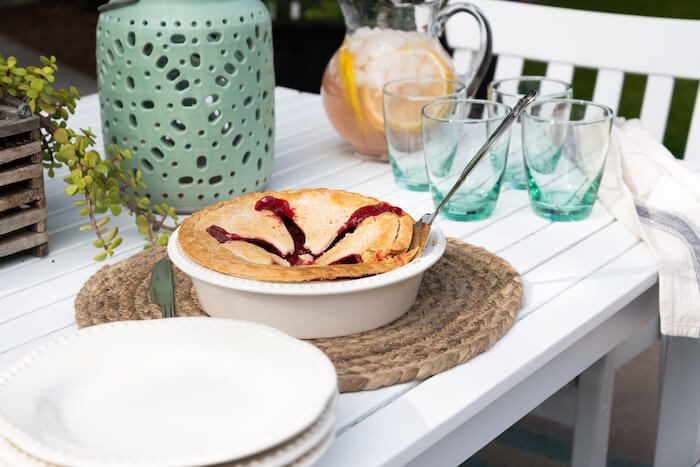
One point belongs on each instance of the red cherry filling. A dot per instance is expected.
(368, 211)
(361, 214)
(283, 211)
(222, 236)
(278, 207)
(349, 259)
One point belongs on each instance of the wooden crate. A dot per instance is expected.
(22, 198)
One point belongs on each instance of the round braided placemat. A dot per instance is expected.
(467, 301)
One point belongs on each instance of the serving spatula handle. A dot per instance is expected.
(524, 101)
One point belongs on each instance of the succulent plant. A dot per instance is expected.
(100, 184)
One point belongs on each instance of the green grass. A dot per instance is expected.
(685, 91)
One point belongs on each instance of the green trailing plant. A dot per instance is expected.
(102, 186)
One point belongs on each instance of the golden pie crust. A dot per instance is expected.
(382, 241)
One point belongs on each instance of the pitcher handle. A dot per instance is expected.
(485, 55)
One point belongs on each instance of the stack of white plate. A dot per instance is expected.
(175, 392)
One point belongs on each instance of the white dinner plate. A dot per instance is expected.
(12, 456)
(301, 451)
(298, 447)
(314, 455)
(181, 391)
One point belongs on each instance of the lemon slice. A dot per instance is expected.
(405, 114)
(347, 84)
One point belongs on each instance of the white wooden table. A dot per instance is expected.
(589, 286)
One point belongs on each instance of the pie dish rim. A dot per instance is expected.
(433, 251)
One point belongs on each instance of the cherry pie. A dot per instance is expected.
(299, 235)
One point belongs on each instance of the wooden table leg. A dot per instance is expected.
(677, 441)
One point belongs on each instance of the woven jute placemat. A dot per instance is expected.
(467, 301)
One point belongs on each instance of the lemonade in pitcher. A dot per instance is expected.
(386, 41)
(353, 81)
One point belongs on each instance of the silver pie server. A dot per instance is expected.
(421, 228)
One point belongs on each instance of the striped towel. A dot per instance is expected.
(658, 199)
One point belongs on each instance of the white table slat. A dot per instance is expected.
(376, 186)
(303, 107)
(13, 333)
(356, 406)
(293, 156)
(347, 177)
(509, 230)
(314, 132)
(509, 202)
(12, 355)
(32, 273)
(547, 243)
(284, 92)
(313, 169)
(63, 236)
(570, 267)
(87, 109)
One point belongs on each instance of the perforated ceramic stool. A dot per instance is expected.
(188, 87)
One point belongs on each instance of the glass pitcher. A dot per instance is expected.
(388, 40)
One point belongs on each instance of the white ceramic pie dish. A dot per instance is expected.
(312, 310)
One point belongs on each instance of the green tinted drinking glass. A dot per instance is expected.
(403, 102)
(508, 91)
(565, 143)
(453, 132)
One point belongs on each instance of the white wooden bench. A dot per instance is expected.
(664, 50)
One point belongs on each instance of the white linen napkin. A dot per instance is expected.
(658, 199)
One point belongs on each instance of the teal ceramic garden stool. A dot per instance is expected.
(188, 87)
